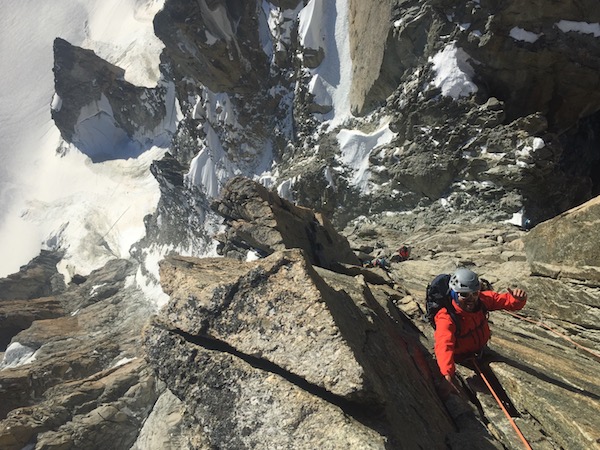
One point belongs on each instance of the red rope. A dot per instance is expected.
(510, 419)
(597, 355)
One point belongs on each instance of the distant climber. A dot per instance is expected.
(461, 327)
(402, 254)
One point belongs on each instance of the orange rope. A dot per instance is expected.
(597, 355)
(510, 419)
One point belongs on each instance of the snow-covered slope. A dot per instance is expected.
(45, 198)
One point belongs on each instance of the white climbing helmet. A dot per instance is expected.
(464, 281)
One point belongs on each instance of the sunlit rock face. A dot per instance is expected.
(285, 122)
(259, 222)
(293, 353)
(76, 374)
(572, 253)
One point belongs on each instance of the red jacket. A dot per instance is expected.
(474, 329)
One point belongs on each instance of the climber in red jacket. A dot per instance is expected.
(457, 343)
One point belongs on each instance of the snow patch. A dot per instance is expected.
(311, 24)
(119, 31)
(98, 135)
(95, 289)
(56, 103)
(210, 168)
(94, 212)
(519, 34)
(217, 20)
(356, 147)
(275, 29)
(151, 289)
(122, 33)
(324, 24)
(17, 355)
(321, 91)
(284, 190)
(581, 27)
(453, 72)
(538, 143)
(252, 256)
(516, 219)
(123, 361)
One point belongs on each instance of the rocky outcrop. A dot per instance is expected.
(260, 221)
(506, 140)
(27, 296)
(263, 353)
(513, 47)
(282, 352)
(39, 278)
(303, 347)
(97, 110)
(221, 43)
(280, 320)
(79, 380)
(181, 216)
(545, 357)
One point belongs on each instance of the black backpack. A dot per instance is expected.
(437, 296)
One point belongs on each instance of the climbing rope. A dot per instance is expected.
(510, 419)
(567, 338)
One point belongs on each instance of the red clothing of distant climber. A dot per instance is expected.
(474, 329)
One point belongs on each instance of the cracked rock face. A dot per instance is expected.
(262, 352)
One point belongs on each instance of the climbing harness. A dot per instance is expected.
(567, 338)
(497, 398)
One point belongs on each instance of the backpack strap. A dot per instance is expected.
(454, 317)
